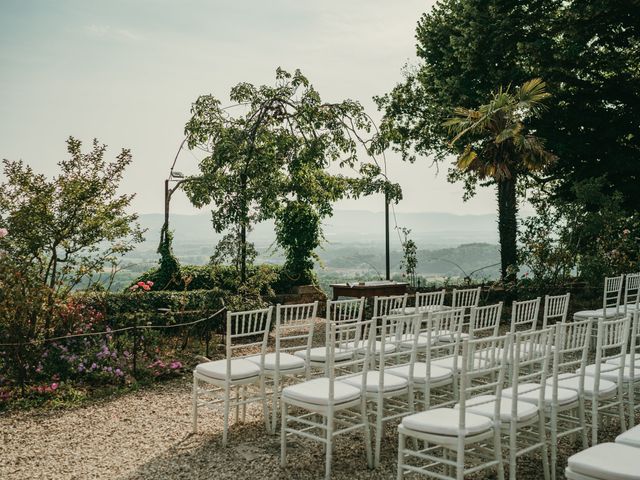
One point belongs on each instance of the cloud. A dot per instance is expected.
(108, 32)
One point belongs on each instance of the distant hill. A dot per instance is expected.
(429, 230)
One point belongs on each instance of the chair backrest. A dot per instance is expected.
(469, 297)
(485, 321)
(612, 296)
(634, 343)
(530, 352)
(482, 372)
(294, 327)
(342, 337)
(524, 315)
(351, 310)
(611, 343)
(391, 305)
(631, 292)
(392, 333)
(246, 326)
(556, 308)
(428, 301)
(570, 353)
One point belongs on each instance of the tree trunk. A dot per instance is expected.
(508, 228)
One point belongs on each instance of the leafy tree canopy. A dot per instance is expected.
(585, 50)
(268, 157)
(74, 225)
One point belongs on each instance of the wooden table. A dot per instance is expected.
(368, 289)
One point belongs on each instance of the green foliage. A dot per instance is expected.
(585, 50)
(592, 237)
(500, 149)
(266, 161)
(299, 231)
(74, 226)
(168, 275)
(410, 257)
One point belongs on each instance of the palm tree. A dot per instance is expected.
(501, 150)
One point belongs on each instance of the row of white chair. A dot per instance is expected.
(295, 324)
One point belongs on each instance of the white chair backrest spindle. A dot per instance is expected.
(294, 326)
(485, 321)
(612, 296)
(391, 305)
(344, 311)
(248, 325)
(524, 315)
(556, 308)
(429, 301)
(631, 293)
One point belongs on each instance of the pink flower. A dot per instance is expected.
(150, 283)
(134, 288)
(141, 284)
(54, 386)
(3, 232)
(146, 288)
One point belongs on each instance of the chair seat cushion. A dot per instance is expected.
(447, 362)
(590, 370)
(611, 372)
(407, 340)
(627, 375)
(436, 375)
(241, 369)
(597, 313)
(485, 405)
(607, 461)
(631, 437)
(360, 347)
(319, 354)
(530, 392)
(627, 359)
(572, 382)
(390, 382)
(446, 336)
(444, 421)
(316, 392)
(287, 361)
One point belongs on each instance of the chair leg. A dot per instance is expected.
(379, 432)
(244, 404)
(622, 413)
(542, 435)
(283, 436)
(194, 405)
(497, 448)
(237, 404)
(554, 443)
(401, 447)
(594, 421)
(367, 434)
(460, 462)
(513, 450)
(227, 395)
(274, 403)
(329, 450)
(583, 422)
(265, 407)
(632, 416)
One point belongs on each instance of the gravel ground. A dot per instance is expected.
(147, 435)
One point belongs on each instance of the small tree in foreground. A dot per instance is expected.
(269, 161)
(71, 227)
(500, 150)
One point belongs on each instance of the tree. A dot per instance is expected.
(270, 160)
(72, 226)
(500, 149)
(585, 50)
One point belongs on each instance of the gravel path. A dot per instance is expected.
(146, 435)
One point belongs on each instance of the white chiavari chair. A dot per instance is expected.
(524, 315)
(244, 331)
(326, 407)
(556, 308)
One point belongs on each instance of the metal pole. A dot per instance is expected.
(386, 236)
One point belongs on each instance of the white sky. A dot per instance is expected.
(127, 72)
